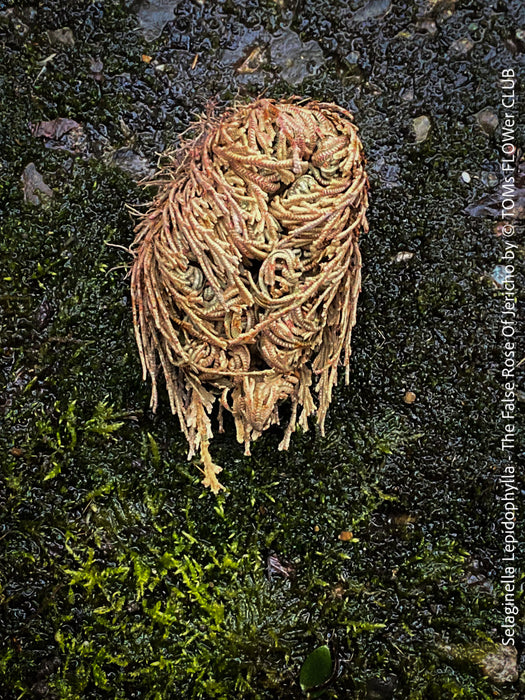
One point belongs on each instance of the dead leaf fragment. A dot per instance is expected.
(54, 129)
(254, 61)
(61, 134)
(489, 205)
(338, 591)
(277, 566)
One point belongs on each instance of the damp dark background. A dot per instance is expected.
(120, 576)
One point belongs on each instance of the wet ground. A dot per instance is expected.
(120, 576)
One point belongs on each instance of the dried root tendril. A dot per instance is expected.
(247, 269)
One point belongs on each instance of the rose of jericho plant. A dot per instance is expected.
(247, 269)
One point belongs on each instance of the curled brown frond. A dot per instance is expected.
(247, 268)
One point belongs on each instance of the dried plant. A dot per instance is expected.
(247, 268)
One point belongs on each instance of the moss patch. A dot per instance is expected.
(120, 577)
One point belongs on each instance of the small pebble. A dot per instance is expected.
(499, 275)
(465, 177)
(61, 36)
(489, 179)
(462, 46)
(427, 25)
(131, 163)
(487, 120)
(421, 127)
(373, 9)
(409, 397)
(402, 256)
(36, 191)
(352, 58)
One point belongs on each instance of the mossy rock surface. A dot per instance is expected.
(119, 576)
